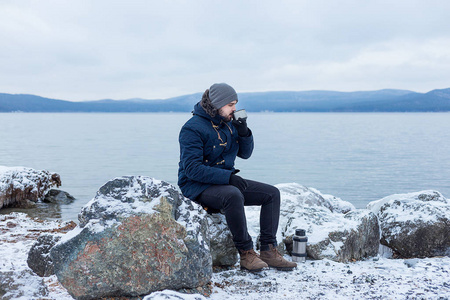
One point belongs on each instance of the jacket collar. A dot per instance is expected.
(199, 111)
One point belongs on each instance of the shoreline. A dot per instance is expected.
(375, 278)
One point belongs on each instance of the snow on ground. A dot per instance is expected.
(376, 278)
(17, 234)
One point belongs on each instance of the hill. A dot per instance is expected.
(387, 100)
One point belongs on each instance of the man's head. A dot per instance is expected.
(224, 98)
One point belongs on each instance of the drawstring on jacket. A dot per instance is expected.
(224, 144)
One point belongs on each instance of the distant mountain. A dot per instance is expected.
(433, 101)
(387, 100)
(314, 101)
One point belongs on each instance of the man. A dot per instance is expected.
(209, 144)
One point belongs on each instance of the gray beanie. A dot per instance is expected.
(221, 94)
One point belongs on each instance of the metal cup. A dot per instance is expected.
(299, 246)
(240, 114)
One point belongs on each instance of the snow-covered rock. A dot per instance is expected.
(39, 255)
(335, 229)
(21, 187)
(355, 236)
(138, 235)
(414, 224)
(223, 251)
(311, 197)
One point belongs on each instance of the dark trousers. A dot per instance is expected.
(231, 201)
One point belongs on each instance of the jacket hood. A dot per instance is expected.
(200, 111)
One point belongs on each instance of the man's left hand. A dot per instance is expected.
(241, 126)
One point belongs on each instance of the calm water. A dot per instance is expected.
(359, 157)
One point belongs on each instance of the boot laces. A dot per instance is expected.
(251, 254)
(277, 254)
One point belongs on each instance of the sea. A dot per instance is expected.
(358, 157)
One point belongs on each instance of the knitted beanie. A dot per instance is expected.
(221, 94)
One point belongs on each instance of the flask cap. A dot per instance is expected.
(300, 232)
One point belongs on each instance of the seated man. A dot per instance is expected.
(209, 144)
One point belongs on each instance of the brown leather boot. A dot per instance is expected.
(250, 261)
(275, 260)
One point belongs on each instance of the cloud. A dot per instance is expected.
(79, 50)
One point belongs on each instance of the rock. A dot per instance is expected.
(131, 193)
(414, 224)
(313, 198)
(332, 234)
(21, 187)
(357, 239)
(222, 248)
(58, 196)
(39, 255)
(138, 235)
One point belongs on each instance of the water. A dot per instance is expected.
(359, 157)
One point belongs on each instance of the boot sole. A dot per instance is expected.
(252, 271)
(283, 268)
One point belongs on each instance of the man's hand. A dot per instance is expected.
(241, 126)
(238, 182)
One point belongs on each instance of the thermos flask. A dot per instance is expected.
(299, 247)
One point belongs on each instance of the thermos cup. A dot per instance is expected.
(240, 114)
(299, 247)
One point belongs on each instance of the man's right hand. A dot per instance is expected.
(238, 182)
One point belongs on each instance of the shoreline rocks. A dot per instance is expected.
(58, 196)
(39, 255)
(135, 237)
(22, 187)
(137, 227)
(335, 229)
(414, 224)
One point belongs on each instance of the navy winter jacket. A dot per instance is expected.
(208, 149)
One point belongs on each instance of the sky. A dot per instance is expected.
(91, 50)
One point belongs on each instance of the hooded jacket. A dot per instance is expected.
(208, 148)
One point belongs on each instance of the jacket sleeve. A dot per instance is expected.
(191, 157)
(246, 146)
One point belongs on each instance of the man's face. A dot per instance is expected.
(227, 111)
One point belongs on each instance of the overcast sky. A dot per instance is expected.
(89, 50)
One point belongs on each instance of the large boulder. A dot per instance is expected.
(352, 236)
(138, 235)
(414, 224)
(335, 229)
(22, 187)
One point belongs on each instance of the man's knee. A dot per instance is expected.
(273, 192)
(276, 193)
(233, 198)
